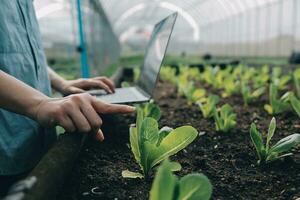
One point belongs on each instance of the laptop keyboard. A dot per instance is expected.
(123, 95)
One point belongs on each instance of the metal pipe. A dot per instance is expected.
(83, 53)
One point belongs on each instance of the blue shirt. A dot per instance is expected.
(22, 140)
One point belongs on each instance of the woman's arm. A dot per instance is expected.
(77, 112)
(18, 97)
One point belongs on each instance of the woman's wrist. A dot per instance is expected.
(34, 105)
(57, 82)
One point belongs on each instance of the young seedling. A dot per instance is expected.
(125, 84)
(264, 151)
(150, 110)
(261, 76)
(231, 86)
(295, 103)
(210, 76)
(190, 73)
(189, 91)
(296, 77)
(166, 186)
(208, 106)
(151, 145)
(225, 118)
(277, 105)
(280, 80)
(168, 74)
(248, 95)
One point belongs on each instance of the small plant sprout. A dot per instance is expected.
(264, 151)
(166, 186)
(151, 145)
(277, 105)
(225, 118)
(248, 95)
(183, 84)
(136, 74)
(191, 73)
(280, 80)
(189, 91)
(231, 86)
(209, 76)
(295, 103)
(296, 78)
(208, 106)
(196, 95)
(125, 84)
(168, 74)
(261, 76)
(150, 110)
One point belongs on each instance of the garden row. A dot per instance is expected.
(250, 83)
(222, 152)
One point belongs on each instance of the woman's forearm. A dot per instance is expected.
(18, 97)
(57, 82)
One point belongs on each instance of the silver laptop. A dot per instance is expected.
(153, 59)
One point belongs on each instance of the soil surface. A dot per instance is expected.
(228, 160)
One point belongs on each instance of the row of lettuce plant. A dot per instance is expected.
(251, 84)
(152, 145)
(224, 116)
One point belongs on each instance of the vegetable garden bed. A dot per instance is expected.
(228, 159)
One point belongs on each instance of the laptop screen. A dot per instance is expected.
(155, 53)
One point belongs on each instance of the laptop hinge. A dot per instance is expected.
(143, 92)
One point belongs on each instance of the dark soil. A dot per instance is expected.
(228, 160)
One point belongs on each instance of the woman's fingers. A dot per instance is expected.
(105, 108)
(99, 136)
(92, 116)
(67, 124)
(74, 90)
(78, 118)
(101, 84)
(108, 82)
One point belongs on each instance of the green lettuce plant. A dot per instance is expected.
(187, 89)
(168, 74)
(278, 79)
(264, 151)
(225, 118)
(150, 110)
(125, 84)
(277, 105)
(190, 72)
(208, 106)
(151, 145)
(166, 186)
(211, 76)
(296, 77)
(295, 103)
(231, 86)
(245, 73)
(184, 84)
(250, 95)
(261, 76)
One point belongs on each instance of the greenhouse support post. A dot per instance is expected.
(83, 53)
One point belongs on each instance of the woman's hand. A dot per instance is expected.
(77, 113)
(80, 85)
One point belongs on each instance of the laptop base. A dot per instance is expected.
(127, 95)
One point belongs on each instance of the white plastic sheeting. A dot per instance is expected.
(221, 27)
(59, 27)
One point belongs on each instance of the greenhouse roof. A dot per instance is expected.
(129, 15)
(126, 14)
